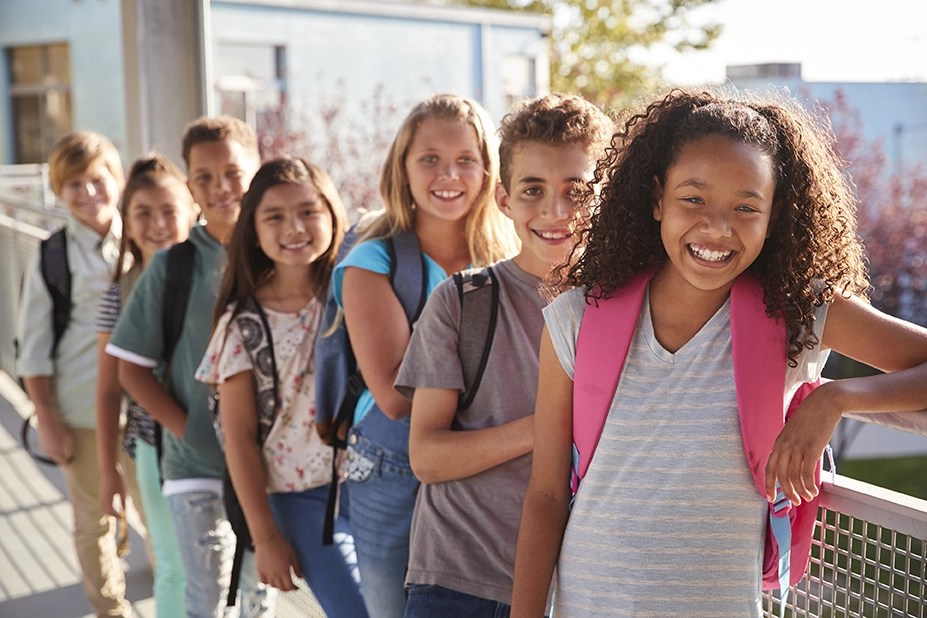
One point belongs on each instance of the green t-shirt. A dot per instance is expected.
(138, 338)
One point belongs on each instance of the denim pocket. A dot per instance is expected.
(362, 461)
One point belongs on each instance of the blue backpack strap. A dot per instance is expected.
(407, 272)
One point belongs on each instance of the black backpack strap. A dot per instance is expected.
(407, 272)
(478, 290)
(56, 272)
(177, 283)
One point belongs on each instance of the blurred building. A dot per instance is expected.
(893, 114)
(139, 70)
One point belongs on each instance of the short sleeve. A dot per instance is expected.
(138, 336)
(34, 324)
(563, 318)
(370, 255)
(108, 309)
(810, 361)
(432, 360)
(226, 355)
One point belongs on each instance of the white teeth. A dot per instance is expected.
(710, 255)
(295, 245)
(553, 235)
(448, 194)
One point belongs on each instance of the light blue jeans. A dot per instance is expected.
(207, 545)
(330, 570)
(169, 578)
(381, 497)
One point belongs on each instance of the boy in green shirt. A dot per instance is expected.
(221, 156)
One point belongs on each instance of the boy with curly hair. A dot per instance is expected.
(474, 460)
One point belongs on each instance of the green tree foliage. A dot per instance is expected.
(597, 44)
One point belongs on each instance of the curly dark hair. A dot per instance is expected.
(813, 232)
(554, 119)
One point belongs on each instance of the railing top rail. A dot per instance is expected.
(886, 508)
(21, 204)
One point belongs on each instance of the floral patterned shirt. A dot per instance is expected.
(296, 458)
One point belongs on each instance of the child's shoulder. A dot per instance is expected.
(367, 253)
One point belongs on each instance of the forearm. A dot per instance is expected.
(543, 520)
(109, 407)
(440, 455)
(900, 391)
(144, 388)
(390, 402)
(41, 391)
(246, 469)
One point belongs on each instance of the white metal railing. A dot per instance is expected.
(868, 557)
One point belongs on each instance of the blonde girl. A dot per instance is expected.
(438, 181)
(280, 260)
(157, 212)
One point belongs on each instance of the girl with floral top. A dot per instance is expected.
(280, 260)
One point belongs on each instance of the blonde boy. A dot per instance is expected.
(86, 175)
(474, 463)
(221, 156)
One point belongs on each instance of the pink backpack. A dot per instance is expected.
(759, 349)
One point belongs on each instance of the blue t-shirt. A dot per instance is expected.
(372, 255)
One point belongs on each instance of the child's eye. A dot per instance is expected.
(693, 200)
(467, 160)
(203, 178)
(533, 191)
(234, 173)
(430, 159)
(746, 208)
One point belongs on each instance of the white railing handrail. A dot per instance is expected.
(21, 204)
(884, 507)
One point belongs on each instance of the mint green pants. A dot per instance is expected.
(169, 577)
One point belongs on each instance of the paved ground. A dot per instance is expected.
(39, 576)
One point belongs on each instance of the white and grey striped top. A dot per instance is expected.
(667, 521)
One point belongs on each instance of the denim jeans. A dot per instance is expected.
(169, 578)
(330, 571)
(429, 601)
(207, 545)
(382, 496)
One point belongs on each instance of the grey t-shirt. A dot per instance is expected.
(667, 521)
(464, 531)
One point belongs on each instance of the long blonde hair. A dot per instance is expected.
(490, 236)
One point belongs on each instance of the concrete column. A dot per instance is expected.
(165, 46)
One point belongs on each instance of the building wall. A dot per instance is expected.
(352, 54)
(882, 107)
(92, 30)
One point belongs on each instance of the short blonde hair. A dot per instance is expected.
(490, 235)
(75, 152)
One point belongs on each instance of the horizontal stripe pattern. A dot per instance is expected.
(667, 521)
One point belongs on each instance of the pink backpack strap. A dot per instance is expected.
(601, 349)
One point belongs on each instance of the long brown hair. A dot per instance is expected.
(153, 171)
(248, 266)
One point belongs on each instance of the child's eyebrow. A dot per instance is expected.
(531, 179)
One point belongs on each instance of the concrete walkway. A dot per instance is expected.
(39, 575)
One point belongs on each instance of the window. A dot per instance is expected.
(519, 79)
(250, 82)
(40, 99)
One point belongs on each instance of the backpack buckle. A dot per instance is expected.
(781, 506)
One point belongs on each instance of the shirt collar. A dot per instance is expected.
(89, 239)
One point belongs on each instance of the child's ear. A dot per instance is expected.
(502, 200)
(657, 199)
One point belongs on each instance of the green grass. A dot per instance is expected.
(907, 475)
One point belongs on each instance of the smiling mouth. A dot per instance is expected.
(447, 195)
(552, 235)
(709, 255)
(295, 246)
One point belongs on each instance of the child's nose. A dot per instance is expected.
(559, 208)
(716, 224)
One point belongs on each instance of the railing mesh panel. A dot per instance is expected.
(858, 568)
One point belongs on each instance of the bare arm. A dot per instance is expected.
(379, 334)
(273, 555)
(141, 383)
(109, 406)
(546, 509)
(858, 331)
(55, 438)
(439, 454)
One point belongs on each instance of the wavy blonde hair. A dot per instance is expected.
(490, 236)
